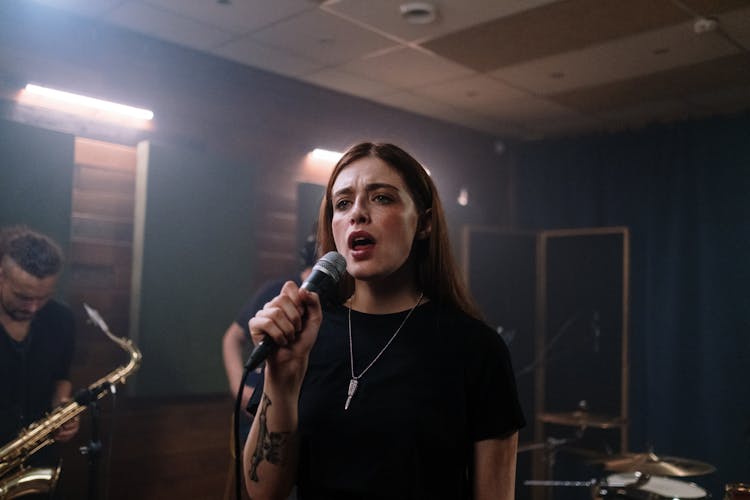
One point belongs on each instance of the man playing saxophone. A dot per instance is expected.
(36, 338)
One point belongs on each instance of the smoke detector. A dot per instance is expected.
(418, 12)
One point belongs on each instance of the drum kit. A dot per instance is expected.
(630, 476)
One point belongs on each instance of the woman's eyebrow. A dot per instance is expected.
(380, 185)
(369, 187)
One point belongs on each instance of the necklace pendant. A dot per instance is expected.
(353, 383)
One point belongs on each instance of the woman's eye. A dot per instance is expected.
(381, 198)
(341, 204)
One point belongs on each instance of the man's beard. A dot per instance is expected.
(16, 314)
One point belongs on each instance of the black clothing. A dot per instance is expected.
(444, 383)
(29, 371)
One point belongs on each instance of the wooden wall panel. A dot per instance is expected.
(153, 448)
(160, 448)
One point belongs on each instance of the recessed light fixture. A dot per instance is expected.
(705, 25)
(418, 12)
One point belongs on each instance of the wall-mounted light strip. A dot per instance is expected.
(324, 154)
(91, 103)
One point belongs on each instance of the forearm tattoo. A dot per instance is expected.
(269, 445)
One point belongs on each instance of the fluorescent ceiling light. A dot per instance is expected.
(91, 103)
(324, 154)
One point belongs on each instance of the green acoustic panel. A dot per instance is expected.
(192, 266)
(36, 180)
(309, 197)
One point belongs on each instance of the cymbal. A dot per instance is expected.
(582, 418)
(650, 463)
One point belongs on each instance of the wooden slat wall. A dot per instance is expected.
(177, 448)
(101, 246)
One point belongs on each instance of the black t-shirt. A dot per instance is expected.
(30, 369)
(444, 383)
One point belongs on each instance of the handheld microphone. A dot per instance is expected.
(325, 274)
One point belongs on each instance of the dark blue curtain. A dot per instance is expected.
(684, 191)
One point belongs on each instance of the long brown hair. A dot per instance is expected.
(437, 274)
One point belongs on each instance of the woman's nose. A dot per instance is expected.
(360, 212)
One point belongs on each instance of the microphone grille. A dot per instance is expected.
(333, 264)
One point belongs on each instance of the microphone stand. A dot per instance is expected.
(92, 450)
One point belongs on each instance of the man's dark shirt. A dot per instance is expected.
(29, 370)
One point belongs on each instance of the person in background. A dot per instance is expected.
(397, 390)
(37, 338)
(236, 341)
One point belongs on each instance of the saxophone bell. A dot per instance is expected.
(29, 481)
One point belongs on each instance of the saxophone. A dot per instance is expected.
(16, 479)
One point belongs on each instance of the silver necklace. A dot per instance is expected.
(354, 381)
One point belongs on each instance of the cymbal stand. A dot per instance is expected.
(550, 447)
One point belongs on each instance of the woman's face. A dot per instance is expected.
(375, 219)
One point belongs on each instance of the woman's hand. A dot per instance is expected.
(292, 320)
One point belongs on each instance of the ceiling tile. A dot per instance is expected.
(532, 109)
(385, 15)
(552, 29)
(322, 37)
(405, 67)
(168, 26)
(237, 16)
(500, 103)
(619, 59)
(90, 8)
(415, 103)
(347, 83)
(736, 24)
(548, 66)
(440, 111)
(248, 51)
(478, 93)
(710, 76)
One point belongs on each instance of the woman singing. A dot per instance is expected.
(397, 390)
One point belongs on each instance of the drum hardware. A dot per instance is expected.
(632, 486)
(592, 484)
(551, 447)
(737, 491)
(598, 487)
(544, 482)
(650, 463)
(550, 444)
(637, 486)
(582, 418)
